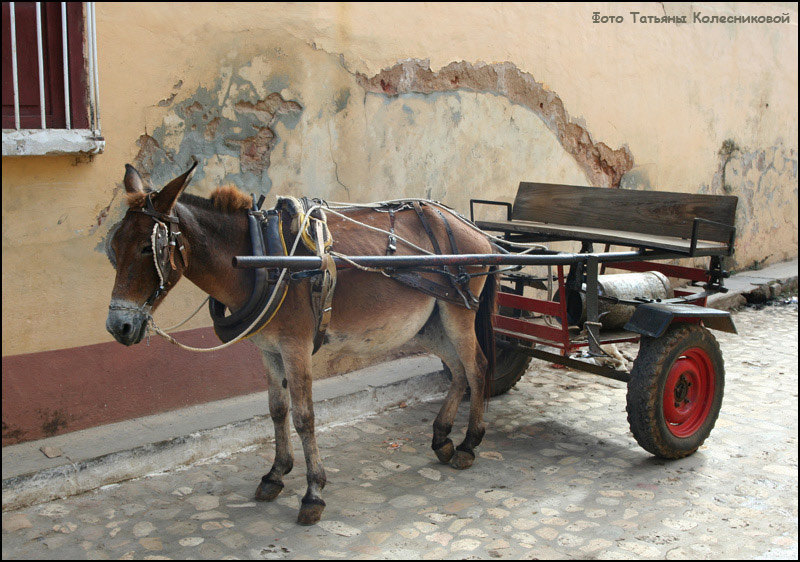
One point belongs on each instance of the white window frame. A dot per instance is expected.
(49, 141)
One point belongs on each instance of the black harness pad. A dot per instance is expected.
(266, 238)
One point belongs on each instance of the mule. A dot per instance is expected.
(371, 312)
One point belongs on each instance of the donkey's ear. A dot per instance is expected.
(166, 198)
(133, 181)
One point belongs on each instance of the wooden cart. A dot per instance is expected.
(676, 384)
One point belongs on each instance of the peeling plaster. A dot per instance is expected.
(765, 181)
(241, 127)
(604, 166)
(760, 178)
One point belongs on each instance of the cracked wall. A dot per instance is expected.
(603, 166)
(364, 102)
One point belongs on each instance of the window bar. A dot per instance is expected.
(90, 60)
(67, 112)
(13, 23)
(96, 74)
(94, 85)
(41, 60)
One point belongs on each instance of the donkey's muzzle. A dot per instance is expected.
(127, 325)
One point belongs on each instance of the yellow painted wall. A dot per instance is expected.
(668, 95)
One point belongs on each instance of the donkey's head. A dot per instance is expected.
(148, 252)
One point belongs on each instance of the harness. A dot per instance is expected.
(457, 290)
(268, 238)
(268, 235)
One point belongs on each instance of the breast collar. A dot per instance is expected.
(266, 239)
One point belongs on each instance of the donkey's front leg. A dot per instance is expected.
(272, 483)
(298, 369)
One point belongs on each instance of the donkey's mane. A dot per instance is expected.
(226, 199)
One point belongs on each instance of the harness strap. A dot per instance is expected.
(424, 285)
(426, 225)
(416, 281)
(322, 287)
(391, 248)
(323, 297)
(462, 285)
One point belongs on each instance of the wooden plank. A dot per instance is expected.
(648, 212)
(511, 335)
(618, 237)
(523, 327)
(511, 300)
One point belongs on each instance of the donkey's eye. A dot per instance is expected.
(147, 250)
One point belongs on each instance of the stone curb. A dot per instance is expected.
(353, 402)
(757, 286)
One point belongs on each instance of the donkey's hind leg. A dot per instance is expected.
(272, 482)
(459, 325)
(433, 338)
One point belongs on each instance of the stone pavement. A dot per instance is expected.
(558, 476)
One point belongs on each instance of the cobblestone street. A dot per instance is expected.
(558, 476)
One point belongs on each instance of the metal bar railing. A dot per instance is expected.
(13, 23)
(93, 80)
(92, 38)
(41, 61)
(65, 58)
(90, 60)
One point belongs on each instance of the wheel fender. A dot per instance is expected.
(653, 319)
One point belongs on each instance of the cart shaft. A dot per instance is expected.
(300, 263)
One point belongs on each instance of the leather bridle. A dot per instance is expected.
(165, 240)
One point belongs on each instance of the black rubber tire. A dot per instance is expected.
(646, 390)
(510, 367)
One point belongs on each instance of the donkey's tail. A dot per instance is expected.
(484, 329)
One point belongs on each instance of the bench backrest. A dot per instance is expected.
(646, 212)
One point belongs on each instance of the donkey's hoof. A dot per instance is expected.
(310, 512)
(445, 452)
(268, 490)
(462, 460)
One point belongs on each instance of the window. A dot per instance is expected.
(50, 86)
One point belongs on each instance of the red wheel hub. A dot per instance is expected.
(689, 392)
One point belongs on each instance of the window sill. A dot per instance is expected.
(41, 142)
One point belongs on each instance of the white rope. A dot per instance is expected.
(179, 324)
(382, 271)
(153, 236)
(453, 212)
(400, 238)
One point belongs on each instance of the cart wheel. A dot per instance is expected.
(509, 368)
(675, 390)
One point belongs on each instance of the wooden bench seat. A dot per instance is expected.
(655, 220)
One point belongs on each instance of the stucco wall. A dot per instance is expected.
(362, 102)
